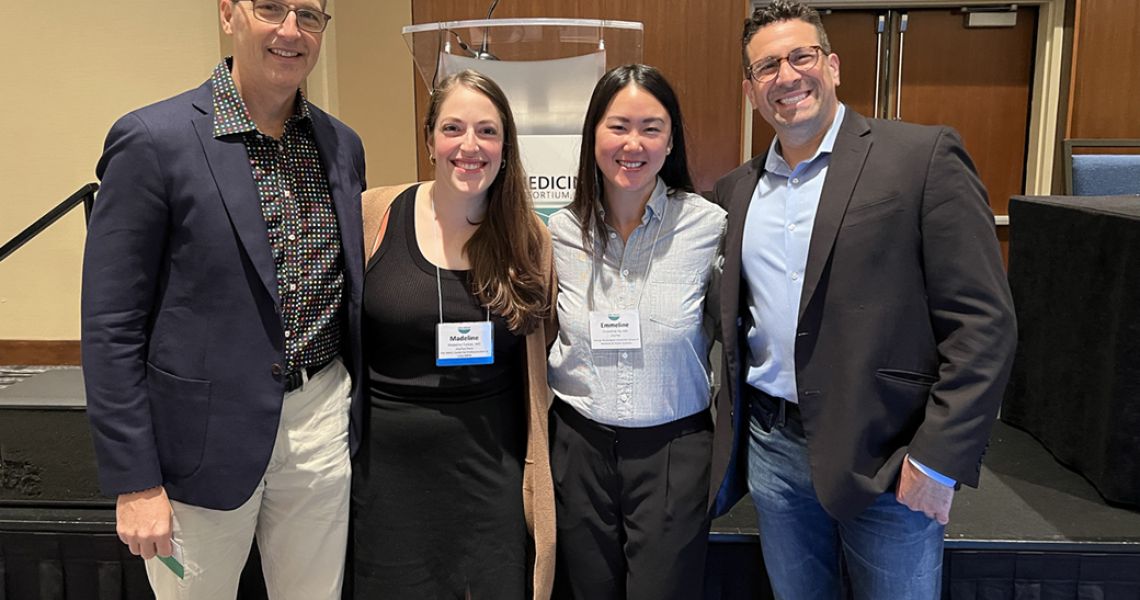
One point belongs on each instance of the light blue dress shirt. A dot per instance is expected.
(668, 378)
(777, 233)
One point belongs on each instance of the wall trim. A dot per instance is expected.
(1045, 101)
(39, 352)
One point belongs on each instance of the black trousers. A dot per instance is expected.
(632, 507)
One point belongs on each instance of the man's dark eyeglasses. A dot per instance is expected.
(271, 11)
(801, 59)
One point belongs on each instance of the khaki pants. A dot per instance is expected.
(298, 513)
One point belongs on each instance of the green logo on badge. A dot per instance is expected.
(614, 317)
(464, 330)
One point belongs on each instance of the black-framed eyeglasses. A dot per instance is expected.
(271, 11)
(801, 59)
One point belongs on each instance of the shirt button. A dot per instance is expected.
(288, 333)
(292, 237)
(795, 276)
(612, 235)
(796, 180)
(625, 354)
(625, 272)
(288, 194)
(292, 287)
(275, 369)
(791, 227)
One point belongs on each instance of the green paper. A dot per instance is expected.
(174, 566)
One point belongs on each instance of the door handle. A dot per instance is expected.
(880, 25)
(899, 88)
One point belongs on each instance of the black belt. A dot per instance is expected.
(701, 421)
(297, 377)
(770, 409)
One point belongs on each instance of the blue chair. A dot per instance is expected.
(1107, 174)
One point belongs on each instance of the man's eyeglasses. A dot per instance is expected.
(271, 11)
(801, 59)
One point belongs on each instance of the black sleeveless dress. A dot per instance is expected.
(437, 484)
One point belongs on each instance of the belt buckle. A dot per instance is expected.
(294, 380)
(770, 416)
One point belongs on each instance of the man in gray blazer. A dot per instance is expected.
(221, 319)
(867, 323)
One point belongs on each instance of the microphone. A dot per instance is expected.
(483, 53)
(463, 45)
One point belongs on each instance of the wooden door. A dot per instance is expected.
(978, 81)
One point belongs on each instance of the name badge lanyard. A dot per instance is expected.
(463, 343)
(620, 329)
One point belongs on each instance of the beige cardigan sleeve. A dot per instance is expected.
(374, 205)
(538, 483)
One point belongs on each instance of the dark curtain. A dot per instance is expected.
(1074, 269)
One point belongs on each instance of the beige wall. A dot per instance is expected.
(375, 76)
(71, 73)
(68, 76)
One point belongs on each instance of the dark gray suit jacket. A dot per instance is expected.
(183, 344)
(906, 326)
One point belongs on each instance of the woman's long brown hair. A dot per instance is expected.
(506, 250)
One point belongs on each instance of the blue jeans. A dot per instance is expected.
(889, 551)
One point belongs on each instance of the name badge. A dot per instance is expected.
(617, 330)
(461, 344)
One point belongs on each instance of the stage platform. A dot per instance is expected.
(1033, 530)
(1026, 501)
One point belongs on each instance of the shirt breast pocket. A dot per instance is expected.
(675, 298)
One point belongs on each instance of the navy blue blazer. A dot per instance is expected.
(906, 326)
(183, 344)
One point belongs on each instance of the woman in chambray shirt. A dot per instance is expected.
(630, 430)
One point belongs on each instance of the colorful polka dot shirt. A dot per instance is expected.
(294, 194)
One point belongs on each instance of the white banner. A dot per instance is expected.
(551, 163)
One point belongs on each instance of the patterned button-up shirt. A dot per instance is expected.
(668, 378)
(293, 191)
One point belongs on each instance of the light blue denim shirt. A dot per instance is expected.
(668, 378)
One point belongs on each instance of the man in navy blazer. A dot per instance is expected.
(867, 324)
(221, 305)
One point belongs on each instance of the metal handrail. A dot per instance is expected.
(85, 195)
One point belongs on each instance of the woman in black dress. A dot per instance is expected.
(456, 280)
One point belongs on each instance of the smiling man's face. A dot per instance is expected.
(798, 105)
(270, 58)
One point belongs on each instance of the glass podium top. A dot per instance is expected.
(509, 40)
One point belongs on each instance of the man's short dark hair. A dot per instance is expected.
(781, 10)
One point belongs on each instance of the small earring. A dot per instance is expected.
(431, 158)
(668, 150)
